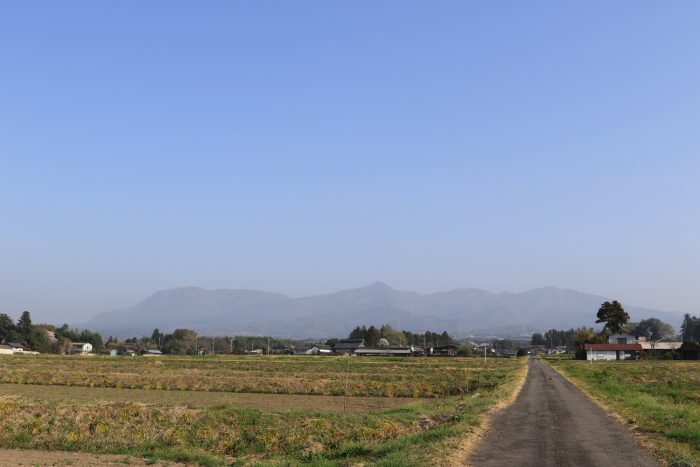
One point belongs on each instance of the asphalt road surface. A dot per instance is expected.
(552, 423)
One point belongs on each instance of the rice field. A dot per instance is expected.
(250, 410)
(197, 399)
(328, 376)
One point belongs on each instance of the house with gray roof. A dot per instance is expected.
(349, 346)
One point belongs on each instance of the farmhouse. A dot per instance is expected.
(391, 351)
(349, 346)
(622, 339)
(658, 348)
(6, 350)
(16, 348)
(80, 348)
(612, 351)
(109, 352)
(449, 350)
(559, 350)
(690, 351)
(316, 349)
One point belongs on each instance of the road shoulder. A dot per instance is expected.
(645, 441)
(470, 443)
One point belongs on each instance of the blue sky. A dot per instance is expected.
(308, 146)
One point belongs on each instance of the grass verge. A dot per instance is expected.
(660, 399)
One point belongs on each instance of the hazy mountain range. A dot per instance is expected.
(461, 312)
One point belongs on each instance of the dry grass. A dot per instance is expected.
(505, 395)
(270, 375)
(180, 425)
(197, 399)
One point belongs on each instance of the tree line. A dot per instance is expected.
(188, 342)
(44, 338)
(690, 329)
(372, 335)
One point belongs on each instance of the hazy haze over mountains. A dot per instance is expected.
(309, 146)
(461, 312)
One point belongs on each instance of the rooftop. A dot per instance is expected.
(612, 347)
(350, 344)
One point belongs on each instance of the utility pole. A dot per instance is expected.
(345, 397)
(467, 381)
(268, 345)
(212, 345)
(231, 345)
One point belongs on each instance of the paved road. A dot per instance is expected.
(552, 423)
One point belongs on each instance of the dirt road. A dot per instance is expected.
(552, 423)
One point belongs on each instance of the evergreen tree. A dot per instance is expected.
(24, 325)
(157, 337)
(356, 333)
(7, 328)
(538, 339)
(613, 315)
(445, 338)
(690, 329)
(373, 336)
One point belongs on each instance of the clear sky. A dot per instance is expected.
(308, 146)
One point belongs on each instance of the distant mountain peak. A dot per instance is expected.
(460, 312)
(378, 285)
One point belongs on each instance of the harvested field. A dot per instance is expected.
(264, 402)
(258, 410)
(374, 377)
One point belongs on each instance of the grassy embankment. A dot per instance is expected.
(660, 398)
(417, 433)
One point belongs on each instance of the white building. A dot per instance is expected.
(13, 348)
(612, 351)
(622, 339)
(80, 348)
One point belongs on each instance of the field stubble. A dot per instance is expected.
(228, 433)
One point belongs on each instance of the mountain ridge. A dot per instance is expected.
(461, 311)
